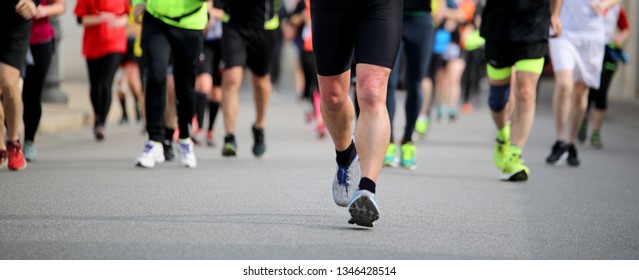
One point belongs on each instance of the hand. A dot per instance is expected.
(619, 39)
(118, 22)
(555, 25)
(597, 7)
(26, 9)
(41, 12)
(138, 12)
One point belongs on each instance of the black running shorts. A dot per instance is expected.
(502, 55)
(248, 47)
(210, 60)
(14, 43)
(370, 28)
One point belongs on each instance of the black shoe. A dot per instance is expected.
(557, 151)
(98, 132)
(572, 156)
(259, 148)
(168, 150)
(230, 147)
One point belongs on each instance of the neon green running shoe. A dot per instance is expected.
(408, 155)
(391, 156)
(501, 153)
(421, 126)
(595, 141)
(514, 169)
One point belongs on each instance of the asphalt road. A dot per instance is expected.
(85, 200)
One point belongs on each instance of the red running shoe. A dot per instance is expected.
(16, 158)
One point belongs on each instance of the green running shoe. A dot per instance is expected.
(408, 155)
(514, 169)
(391, 156)
(421, 126)
(583, 130)
(595, 140)
(501, 153)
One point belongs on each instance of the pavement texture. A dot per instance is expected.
(86, 200)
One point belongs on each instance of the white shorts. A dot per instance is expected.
(584, 57)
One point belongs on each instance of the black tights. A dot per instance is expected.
(101, 74)
(33, 86)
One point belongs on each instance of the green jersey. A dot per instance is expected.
(187, 14)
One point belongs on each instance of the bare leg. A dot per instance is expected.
(597, 119)
(579, 102)
(524, 111)
(427, 90)
(230, 96)
(11, 100)
(170, 112)
(373, 127)
(262, 88)
(337, 108)
(561, 101)
(454, 71)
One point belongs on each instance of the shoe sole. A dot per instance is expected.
(409, 167)
(560, 161)
(139, 164)
(391, 164)
(363, 212)
(19, 169)
(229, 153)
(520, 176)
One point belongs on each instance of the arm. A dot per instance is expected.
(56, 8)
(26, 9)
(601, 7)
(555, 12)
(140, 7)
(624, 29)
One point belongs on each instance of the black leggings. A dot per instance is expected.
(159, 41)
(310, 76)
(101, 74)
(33, 85)
(599, 97)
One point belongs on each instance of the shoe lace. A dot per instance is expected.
(342, 176)
(408, 152)
(147, 148)
(186, 149)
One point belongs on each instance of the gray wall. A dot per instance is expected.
(72, 63)
(625, 85)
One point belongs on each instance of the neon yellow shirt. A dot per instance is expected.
(187, 14)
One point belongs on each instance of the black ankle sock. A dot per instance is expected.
(168, 135)
(125, 116)
(344, 157)
(367, 184)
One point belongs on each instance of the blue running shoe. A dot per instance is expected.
(363, 208)
(345, 182)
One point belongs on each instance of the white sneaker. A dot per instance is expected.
(187, 156)
(153, 153)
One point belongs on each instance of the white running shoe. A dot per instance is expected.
(187, 156)
(153, 153)
(345, 182)
(363, 208)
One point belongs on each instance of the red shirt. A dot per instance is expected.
(41, 31)
(622, 22)
(100, 40)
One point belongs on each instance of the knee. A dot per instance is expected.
(333, 95)
(525, 96)
(564, 88)
(498, 97)
(371, 91)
